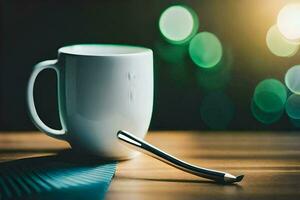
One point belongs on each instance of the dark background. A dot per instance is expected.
(32, 31)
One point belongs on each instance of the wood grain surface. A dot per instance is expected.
(270, 162)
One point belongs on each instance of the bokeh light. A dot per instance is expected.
(279, 45)
(217, 110)
(295, 122)
(292, 106)
(218, 77)
(270, 95)
(292, 79)
(173, 58)
(288, 21)
(265, 117)
(178, 24)
(174, 54)
(205, 50)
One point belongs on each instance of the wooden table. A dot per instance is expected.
(270, 161)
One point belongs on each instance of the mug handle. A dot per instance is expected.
(48, 64)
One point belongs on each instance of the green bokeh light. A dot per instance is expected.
(174, 54)
(265, 117)
(270, 95)
(173, 60)
(205, 50)
(217, 110)
(218, 77)
(279, 45)
(178, 24)
(292, 79)
(292, 106)
(295, 122)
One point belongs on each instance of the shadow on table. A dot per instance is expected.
(201, 181)
(65, 175)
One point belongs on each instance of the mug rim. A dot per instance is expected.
(107, 50)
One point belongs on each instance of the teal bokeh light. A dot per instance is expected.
(178, 24)
(292, 79)
(205, 50)
(295, 122)
(217, 110)
(218, 77)
(263, 116)
(173, 60)
(270, 96)
(292, 106)
(174, 54)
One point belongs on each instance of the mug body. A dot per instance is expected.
(103, 89)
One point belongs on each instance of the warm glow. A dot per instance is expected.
(279, 45)
(288, 22)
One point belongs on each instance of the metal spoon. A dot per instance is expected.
(144, 147)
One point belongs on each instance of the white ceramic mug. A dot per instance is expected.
(101, 89)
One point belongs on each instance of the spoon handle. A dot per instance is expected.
(144, 147)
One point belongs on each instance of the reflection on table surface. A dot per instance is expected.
(60, 176)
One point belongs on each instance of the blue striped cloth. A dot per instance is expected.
(55, 177)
